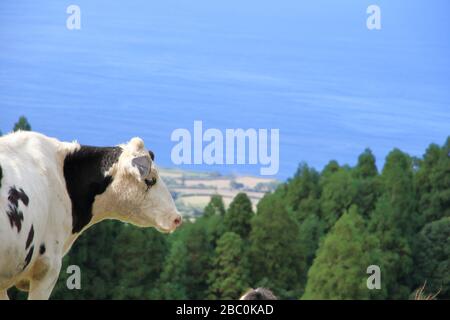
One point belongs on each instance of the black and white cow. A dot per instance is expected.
(51, 191)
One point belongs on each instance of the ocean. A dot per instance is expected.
(314, 71)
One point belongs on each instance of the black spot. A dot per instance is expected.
(42, 249)
(84, 171)
(14, 214)
(30, 237)
(28, 257)
(1, 176)
(15, 217)
(14, 196)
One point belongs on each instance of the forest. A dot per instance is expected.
(312, 238)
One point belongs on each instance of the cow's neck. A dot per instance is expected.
(85, 172)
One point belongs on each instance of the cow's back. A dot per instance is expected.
(32, 182)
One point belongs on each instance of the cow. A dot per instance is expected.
(52, 191)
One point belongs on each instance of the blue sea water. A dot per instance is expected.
(312, 69)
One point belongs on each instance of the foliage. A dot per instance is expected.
(215, 206)
(339, 270)
(22, 124)
(239, 215)
(433, 257)
(275, 254)
(229, 276)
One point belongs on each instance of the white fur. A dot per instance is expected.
(34, 162)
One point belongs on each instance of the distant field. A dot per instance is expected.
(193, 190)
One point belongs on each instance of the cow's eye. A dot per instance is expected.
(150, 182)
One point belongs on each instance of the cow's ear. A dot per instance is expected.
(143, 164)
(152, 155)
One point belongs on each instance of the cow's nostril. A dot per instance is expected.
(177, 221)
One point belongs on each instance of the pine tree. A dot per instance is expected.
(397, 184)
(301, 196)
(339, 270)
(303, 187)
(433, 257)
(396, 254)
(22, 124)
(199, 259)
(395, 222)
(93, 253)
(173, 284)
(229, 277)
(433, 183)
(311, 231)
(215, 206)
(214, 227)
(366, 167)
(338, 193)
(188, 264)
(276, 256)
(239, 215)
(331, 168)
(367, 187)
(138, 257)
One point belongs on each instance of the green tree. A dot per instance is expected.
(93, 253)
(338, 193)
(239, 215)
(311, 231)
(276, 256)
(367, 189)
(229, 276)
(433, 183)
(331, 168)
(22, 124)
(214, 227)
(339, 270)
(396, 254)
(301, 196)
(394, 222)
(366, 167)
(433, 257)
(215, 206)
(301, 193)
(173, 282)
(397, 183)
(303, 187)
(188, 264)
(138, 257)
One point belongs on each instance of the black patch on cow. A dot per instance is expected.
(15, 217)
(16, 195)
(84, 171)
(42, 249)
(30, 237)
(28, 257)
(1, 176)
(14, 214)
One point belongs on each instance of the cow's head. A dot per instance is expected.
(137, 193)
